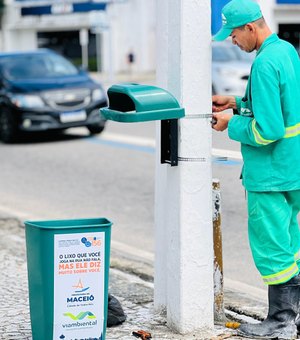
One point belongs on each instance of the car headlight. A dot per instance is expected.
(27, 101)
(97, 95)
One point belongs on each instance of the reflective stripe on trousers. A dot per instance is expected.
(274, 234)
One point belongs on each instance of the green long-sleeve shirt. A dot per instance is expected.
(268, 123)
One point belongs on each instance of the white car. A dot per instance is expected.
(230, 68)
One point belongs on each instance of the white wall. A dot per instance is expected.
(267, 7)
(14, 39)
(131, 28)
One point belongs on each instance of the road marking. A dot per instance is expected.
(148, 144)
(122, 145)
(227, 153)
(142, 141)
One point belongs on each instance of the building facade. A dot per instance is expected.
(117, 35)
(113, 36)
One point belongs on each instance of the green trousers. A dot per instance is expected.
(274, 234)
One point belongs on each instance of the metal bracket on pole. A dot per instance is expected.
(169, 142)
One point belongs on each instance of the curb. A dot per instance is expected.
(238, 306)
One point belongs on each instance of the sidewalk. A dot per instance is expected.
(126, 284)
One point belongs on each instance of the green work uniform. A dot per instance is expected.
(268, 127)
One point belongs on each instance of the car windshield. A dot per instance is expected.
(225, 53)
(30, 66)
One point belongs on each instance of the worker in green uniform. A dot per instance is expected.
(266, 121)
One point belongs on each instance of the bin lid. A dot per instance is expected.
(140, 103)
(70, 224)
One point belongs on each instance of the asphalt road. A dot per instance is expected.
(112, 175)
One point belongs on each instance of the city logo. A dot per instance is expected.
(91, 241)
(80, 316)
(80, 287)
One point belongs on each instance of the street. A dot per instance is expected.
(112, 175)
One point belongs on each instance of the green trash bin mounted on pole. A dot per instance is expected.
(68, 270)
(132, 103)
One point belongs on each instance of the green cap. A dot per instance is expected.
(236, 14)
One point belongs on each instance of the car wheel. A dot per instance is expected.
(95, 129)
(9, 131)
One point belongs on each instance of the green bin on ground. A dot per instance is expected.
(68, 272)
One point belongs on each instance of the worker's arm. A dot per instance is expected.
(264, 125)
(222, 103)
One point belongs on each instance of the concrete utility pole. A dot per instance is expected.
(183, 207)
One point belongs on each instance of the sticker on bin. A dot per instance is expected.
(79, 286)
(73, 116)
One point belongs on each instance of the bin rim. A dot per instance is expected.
(142, 116)
(70, 223)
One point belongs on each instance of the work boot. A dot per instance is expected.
(283, 311)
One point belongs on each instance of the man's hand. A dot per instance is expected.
(220, 121)
(222, 103)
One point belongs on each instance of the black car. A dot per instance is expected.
(41, 90)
